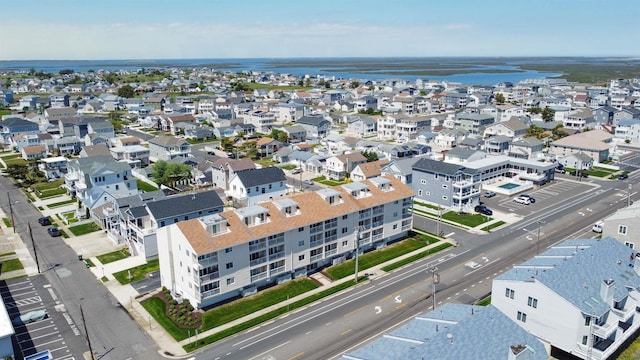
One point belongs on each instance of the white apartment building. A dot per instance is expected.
(231, 254)
(262, 120)
(580, 297)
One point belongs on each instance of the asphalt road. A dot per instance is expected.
(113, 334)
(328, 328)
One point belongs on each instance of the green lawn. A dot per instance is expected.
(288, 167)
(114, 256)
(84, 228)
(471, 220)
(137, 273)
(493, 226)
(484, 302)
(61, 203)
(10, 157)
(325, 181)
(11, 265)
(6, 222)
(43, 186)
(417, 257)
(7, 254)
(50, 193)
(376, 257)
(146, 187)
(19, 161)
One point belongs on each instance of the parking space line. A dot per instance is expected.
(24, 293)
(44, 327)
(43, 345)
(60, 349)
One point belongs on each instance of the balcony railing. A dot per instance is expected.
(605, 330)
(206, 294)
(277, 255)
(315, 257)
(406, 227)
(259, 261)
(277, 270)
(624, 315)
(258, 276)
(209, 277)
(376, 237)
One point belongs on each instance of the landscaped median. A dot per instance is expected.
(233, 311)
(463, 220)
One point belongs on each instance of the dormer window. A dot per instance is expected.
(253, 215)
(287, 206)
(215, 223)
(331, 196)
(382, 183)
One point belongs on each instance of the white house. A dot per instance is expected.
(581, 296)
(253, 186)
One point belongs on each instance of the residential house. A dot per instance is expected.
(580, 119)
(104, 129)
(472, 122)
(252, 186)
(588, 317)
(295, 133)
(315, 126)
(366, 102)
(13, 126)
(449, 138)
(96, 180)
(239, 251)
(53, 167)
(455, 100)
(125, 141)
(337, 167)
(53, 115)
(224, 169)
(507, 111)
(142, 222)
(154, 101)
(596, 144)
(364, 126)
(628, 131)
(604, 115)
(460, 155)
(526, 148)
(368, 170)
(579, 161)
(497, 144)
(262, 120)
(33, 152)
(169, 123)
(624, 225)
(431, 336)
(400, 169)
(21, 140)
(134, 155)
(68, 145)
(59, 100)
(510, 128)
(267, 146)
(168, 148)
(452, 186)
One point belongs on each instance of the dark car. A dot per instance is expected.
(582, 174)
(623, 176)
(531, 198)
(44, 221)
(483, 210)
(54, 231)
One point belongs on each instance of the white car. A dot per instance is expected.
(522, 200)
(597, 227)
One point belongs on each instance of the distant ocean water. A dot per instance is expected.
(346, 68)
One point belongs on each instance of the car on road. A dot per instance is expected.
(44, 221)
(582, 174)
(489, 194)
(308, 182)
(296, 171)
(31, 316)
(623, 176)
(522, 200)
(531, 198)
(483, 210)
(597, 227)
(54, 231)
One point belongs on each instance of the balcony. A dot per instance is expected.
(623, 314)
(315, 257)
(209, 277)
(206, 294)
(257, 277)
(605, 330)
(259, 261)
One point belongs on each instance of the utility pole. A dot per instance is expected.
(434, 280)
(13, 223)
(538, 240)
(629, 195)
(357, 246)
(33, 243)
(84, 323)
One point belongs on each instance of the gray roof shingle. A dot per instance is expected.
(257, 177)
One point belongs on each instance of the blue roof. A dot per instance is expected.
(563, 270)
(454, 331)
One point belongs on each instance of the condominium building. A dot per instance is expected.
(233, 253)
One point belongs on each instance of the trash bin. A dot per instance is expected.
(80, 257)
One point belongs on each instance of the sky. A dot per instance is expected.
(171, 29)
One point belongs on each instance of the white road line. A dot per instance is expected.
(281, 345)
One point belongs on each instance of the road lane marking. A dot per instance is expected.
(296, 356)
(346, 332)
(260, 355)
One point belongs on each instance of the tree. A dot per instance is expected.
(169, 173)
(534, 110)
(125, 91)
(66, 71)
(111, 78)
(226, 144)
(548, 114)
(355, 84)
(32, 71)
(500, 98)
(370, 155)
(283, 137)
(535, 131)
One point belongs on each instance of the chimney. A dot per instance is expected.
(606, 291)
(517, 352)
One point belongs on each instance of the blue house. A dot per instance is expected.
(14, 126)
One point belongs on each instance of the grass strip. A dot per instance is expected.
(137, 273)
(113, 256)
(416, 257)
(494, 225)
(11, 265)
(61, 203)
(83, 229)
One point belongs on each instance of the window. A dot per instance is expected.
(395, 226)
(301, 243)
(532, 302)
(628, 244)
(419, 192)
(117, 187)
(228, 250)
(344, 217)
(301, 257)
(344, 230)
(622, 229)
(522, 316)
(231, 280)
(587, 320)
(300, 229)
(585, 339)
(423, 182)
(345, 243)
(229, 265)
(444, 197)
(509, 293)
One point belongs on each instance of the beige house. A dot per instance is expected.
(368, 170)
(595, 143)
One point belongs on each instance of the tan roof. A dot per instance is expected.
(129, 139)
(591, 140)
(313, 208)
(182, 118)
(34, 149)
(18, 136)
(354, 157)
(235, 165)
(264, 141)
(372, 169)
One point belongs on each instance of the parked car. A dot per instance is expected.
(44, 221)
(597, 227)
(489, 194)
(54, 231)
(623, 176)
(308, 182)
(531, 198)
(582, 174)
(483, 210)
(522, 200)
(561, 171)
(31, 316)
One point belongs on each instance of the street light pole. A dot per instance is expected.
(33, 243)
(538, 239)
(629, 195)
(357, 246)
(13, 223)
(435, 279)
(86, 332)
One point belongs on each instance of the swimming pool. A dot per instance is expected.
(509, 186)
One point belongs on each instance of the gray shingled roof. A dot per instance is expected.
(257, 177)
(173, 206)
(454, 331)
(438, 167)
(563, 269)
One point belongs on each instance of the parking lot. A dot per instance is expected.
(546, 195)
(56, 332)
